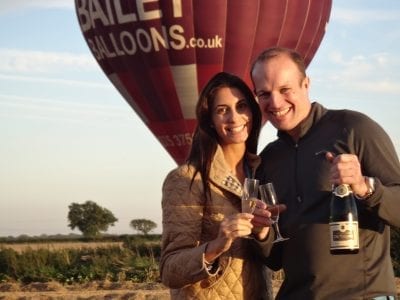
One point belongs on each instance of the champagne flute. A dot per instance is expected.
(268, 195)
(249, 195)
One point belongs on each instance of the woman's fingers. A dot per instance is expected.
(237, 225)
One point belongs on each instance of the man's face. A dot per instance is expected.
(282, 93)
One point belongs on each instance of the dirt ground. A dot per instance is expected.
(94, 291)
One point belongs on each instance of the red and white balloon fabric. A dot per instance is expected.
(160, 53)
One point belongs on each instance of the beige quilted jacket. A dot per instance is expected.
(189, 223)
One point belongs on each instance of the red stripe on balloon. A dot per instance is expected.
(269, 23)
(209, 22)
(166, 96)
(241, 29)
(319, 28)
(159, 104)
(295, 17)
(138, 95)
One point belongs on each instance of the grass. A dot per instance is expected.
(134, 259)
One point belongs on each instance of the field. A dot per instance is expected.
(93, 290)
(19, 247)
(96, 289)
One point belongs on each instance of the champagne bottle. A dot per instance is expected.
(343, 221)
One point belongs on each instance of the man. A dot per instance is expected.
(316, 148)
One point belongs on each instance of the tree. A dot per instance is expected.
(90, 218)
(143, 225)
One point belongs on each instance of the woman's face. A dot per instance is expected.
(231, 116)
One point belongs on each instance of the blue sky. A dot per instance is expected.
(68, 136)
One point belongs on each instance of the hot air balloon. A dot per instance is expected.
(159, 54)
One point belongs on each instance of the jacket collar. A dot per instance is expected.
(316, 113)
(221, 176)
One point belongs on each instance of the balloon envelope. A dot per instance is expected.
(159, 54)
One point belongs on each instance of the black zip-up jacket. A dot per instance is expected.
(301, 180)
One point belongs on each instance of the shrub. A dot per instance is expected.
(136, 262)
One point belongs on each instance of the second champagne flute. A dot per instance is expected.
(268, 195)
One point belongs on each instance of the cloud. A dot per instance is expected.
(56, 110)
(359, 16)
(47, 80)
(18, 5)
(26, 61)
(365, 73)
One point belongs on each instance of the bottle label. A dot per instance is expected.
(344, 235)
(342, 190)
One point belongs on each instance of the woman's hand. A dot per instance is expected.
(232, 227)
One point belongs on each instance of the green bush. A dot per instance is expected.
(137, 263)
(79, 238)
(8, 264)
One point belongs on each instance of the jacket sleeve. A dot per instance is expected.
(263, 248)
(378, 159)
(274, 259)
(182, 256)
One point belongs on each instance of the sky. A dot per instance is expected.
(68, 136)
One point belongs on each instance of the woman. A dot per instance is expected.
(203, 253)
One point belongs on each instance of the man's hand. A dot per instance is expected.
(262, 218)
(346, 169)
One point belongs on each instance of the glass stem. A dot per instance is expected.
(276, 228)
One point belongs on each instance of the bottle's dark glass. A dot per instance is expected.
(343, 221)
